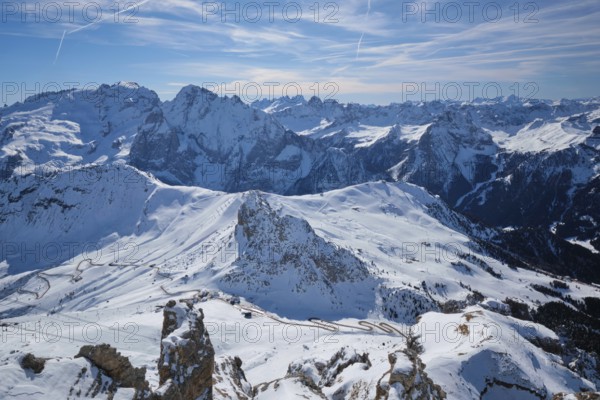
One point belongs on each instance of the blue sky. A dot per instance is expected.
(375, 51)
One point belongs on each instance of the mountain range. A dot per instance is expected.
(341, 251)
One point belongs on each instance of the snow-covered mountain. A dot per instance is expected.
(320, 271)
(77, 127)
(219, 143)
(379, 252)
(509, 163)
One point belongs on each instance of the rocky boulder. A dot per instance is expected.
(115, 366)
(36, 364)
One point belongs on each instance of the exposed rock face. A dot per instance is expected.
(282, 253)
(340, 376)
(541, 174)
(36, 364)
(324, 373)
(413, 383)
(577, 396)
(301, 386)
(311, 378)
(219, 143)
(187, 356)
(229, 380)
(115, 365)
(407, 376)
(342, 360)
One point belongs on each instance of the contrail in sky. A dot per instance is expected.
(363, 33)
(93, 23)
(59, 46)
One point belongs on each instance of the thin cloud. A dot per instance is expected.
(59, 46)
(192, 48)
(101, 19)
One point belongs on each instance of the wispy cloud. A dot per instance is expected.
(191, 45)
(101, 18)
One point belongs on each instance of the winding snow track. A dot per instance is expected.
(363, 325)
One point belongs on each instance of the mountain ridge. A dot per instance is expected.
(338, 221)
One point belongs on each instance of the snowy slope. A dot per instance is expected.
(71, 128)
(508, 162)
(191, 241)
(359, 285)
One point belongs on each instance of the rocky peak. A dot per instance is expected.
(315, 102)
(191, 94)
(187, 356)
(284, 251)
(199, 133)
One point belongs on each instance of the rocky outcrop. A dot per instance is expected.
(301, 386)
(577, 396)
(186, 361)
(115, 366)
(187, 356)
(36, 364)
(325, 373)
(229, 380)
(407, 376)
(341, 376)
(284, 253)
(412, 383)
